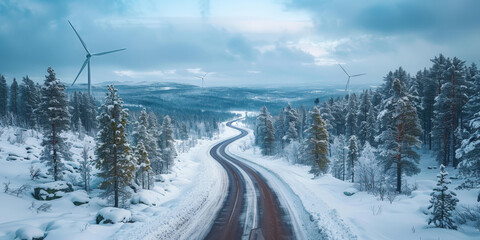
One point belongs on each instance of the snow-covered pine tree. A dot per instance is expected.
(291, 134)
(54, 119)
(470, 146)
(29, 101)
(365, 123)
(317, 144)
(183, 131)
(265, 132)
(114, 155)
(352, 156)
(86, 168)
(144, 142)
(13, 107)
(269, 141)
(352, 115)
(3, 97)
(339, 163)
(143, 166)
(430, 91)
(447, 114)
(88, 113)
(156, 161)
(401, 131)
(168, 143)
(443, 202)
(279, 132)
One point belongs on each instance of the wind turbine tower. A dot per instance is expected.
(87, 60)
(203, 78)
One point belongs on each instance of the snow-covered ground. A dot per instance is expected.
(180, 207)
(361, 216)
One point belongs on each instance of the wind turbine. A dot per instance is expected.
(203, 78)
(87, 60)
(349, 76)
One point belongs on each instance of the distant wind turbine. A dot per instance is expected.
(347, 89)
(87, 60)
(203, 78)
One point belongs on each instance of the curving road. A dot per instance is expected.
(231, 221)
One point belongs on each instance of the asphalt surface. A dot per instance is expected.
(273, 221)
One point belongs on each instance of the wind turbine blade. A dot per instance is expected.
(205, 74)
(343, 70)
(199, 77)
(356, 75)
(103, 53)
(81, 40)
(81, 69)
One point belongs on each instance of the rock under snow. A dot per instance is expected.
(113, 215)
(29, 233)
(350, 191)
(52, 190)
(79, 197)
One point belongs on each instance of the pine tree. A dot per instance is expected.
(3, 97)
(291, 134)
(469, 149)
(114, 155)
(269, 141)
(30, 98)
(145, 144)
(86, 168)
(430, 92)
(183, 132)
(156, 161)
(143, 166)
(168, 143)
(365, 119)
(317, 144)
(14, 98)
(265, 132)
(352, 116)
(401, 131)
(54, 119)
(443, 202)
(352, 155)
(339, 157)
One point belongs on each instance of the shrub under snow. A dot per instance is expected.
(113, 215)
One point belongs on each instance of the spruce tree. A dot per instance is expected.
(3, 97)
(114, 155)
(352, 156)
(317, 144)
(54, 119)
(14, 98)
(443, 202)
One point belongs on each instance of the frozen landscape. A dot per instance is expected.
(239, 120)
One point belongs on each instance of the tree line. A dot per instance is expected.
(438, 109)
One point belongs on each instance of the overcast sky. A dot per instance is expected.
(241, 42)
